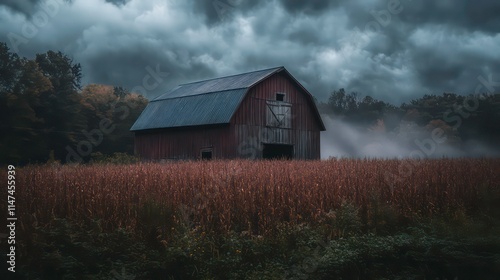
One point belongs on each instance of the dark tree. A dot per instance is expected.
(60, 107)
(120, 92)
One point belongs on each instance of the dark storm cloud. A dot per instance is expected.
(480, 15)
(392, 50)
(131, 66)
(308, 7)
(304, 36)
(22, 6)
(117, 2)
(27, 7)
(219, 11)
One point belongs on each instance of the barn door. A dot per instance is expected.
(279, 114)
(277, 151)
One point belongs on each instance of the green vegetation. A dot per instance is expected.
(444, 247)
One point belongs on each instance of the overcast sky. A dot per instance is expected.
(392, 50)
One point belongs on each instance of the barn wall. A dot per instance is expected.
(250, 127)
(185, 143)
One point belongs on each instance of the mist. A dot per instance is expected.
(346, 140)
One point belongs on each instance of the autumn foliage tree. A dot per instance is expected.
(44, 109)
(118, 106)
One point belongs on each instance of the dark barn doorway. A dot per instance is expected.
(206, 154)
(277, 151)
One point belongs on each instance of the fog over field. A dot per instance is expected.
(342, 139)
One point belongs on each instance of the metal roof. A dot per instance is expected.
(201, 109)
(239, 81)
(211, 101)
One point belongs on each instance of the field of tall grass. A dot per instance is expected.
(160, 204)
(253, 196)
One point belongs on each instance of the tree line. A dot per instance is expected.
(47, 115)
(475, 117)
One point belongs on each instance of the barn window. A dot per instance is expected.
(280, 96)
(206, 154)
(279, 114)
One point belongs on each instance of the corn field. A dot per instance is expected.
(253, 196)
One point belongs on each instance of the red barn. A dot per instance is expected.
(260, 114)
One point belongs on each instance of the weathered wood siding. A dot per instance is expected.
(251, 124)
(185, 143)
(248, 131)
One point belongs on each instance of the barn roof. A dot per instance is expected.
(199, 109)
(212, 101)
(240, 81)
